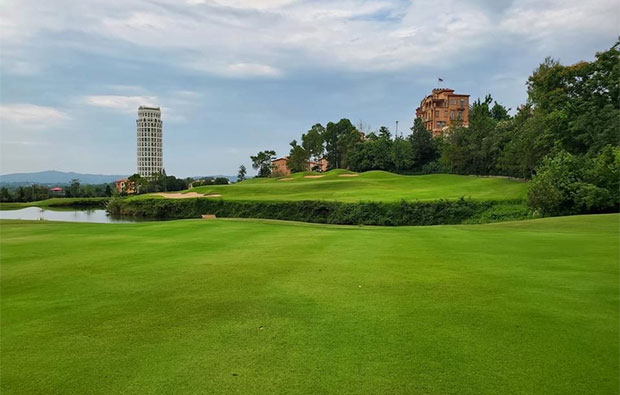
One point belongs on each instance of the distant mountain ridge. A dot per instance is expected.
(57, 177)
(53, 177)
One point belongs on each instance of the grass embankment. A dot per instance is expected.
(233, 306)
(343, 197)
(96, 202)
(372, 186)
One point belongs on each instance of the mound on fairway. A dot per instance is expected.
(239, 306)
(369, 186)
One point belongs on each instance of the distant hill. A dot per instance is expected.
(56, 177)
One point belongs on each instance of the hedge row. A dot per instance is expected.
(79, 203)
(362, 213)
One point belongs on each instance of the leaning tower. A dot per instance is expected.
(150, 144)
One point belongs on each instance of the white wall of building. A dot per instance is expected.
(150, 141)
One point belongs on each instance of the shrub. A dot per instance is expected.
(361, 213)
(568, 184)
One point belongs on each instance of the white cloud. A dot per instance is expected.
(267, 38)
(237, 70)
(30, 115)
(252, 69)
(175, 105)
(121, 103)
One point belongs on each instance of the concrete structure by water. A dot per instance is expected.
(150, 141)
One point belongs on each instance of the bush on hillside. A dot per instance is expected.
(568, 184)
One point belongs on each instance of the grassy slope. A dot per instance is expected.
(178, 307)
(52, 202)
(370, 186)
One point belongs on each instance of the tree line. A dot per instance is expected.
(565, 139)
(34, 193)
(160, 182)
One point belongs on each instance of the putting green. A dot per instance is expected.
(246, 306)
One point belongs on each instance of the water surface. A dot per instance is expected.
(36, 213)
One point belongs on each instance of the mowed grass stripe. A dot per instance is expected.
(239, 306)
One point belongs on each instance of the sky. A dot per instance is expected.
(234, 77)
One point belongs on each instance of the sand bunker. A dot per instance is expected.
(285, 179)
(180, 195)
(348, 175)
(314, 176)
(187, 195)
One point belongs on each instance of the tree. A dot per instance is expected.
(401, 155)
(579, 103)
(241, 174)
(384, 133)
(5, 195)
(108, 190)
(473, 149)
(220, 181)
(570, 184)
(298, 158)
(74, 188)
(340, 138)
(423, 147)
(262, 162)
(313, 141)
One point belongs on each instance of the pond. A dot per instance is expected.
(37, 213)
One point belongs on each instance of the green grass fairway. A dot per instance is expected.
(246, 306)
(369, 186)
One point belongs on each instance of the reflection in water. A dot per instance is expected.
(37, 213)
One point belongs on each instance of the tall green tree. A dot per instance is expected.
(423, 147)
(313, 141)
(401, 155)
(298, 158)
(579, 102)
(340, 139)
(74, 189)
(242, 173)
(262, 162)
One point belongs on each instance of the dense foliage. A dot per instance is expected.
(570, 184)
(361, 213)
(35, 193)
(159, 182)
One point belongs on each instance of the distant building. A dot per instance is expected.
(125, 186)
(57, 191)
(280, 166)
(442, 108)
(150, 141)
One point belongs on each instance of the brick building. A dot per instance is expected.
(442, 108)
(280, 166)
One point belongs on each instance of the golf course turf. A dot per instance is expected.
(249, 306)
(345, 186)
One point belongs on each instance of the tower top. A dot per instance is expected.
(149, 108)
